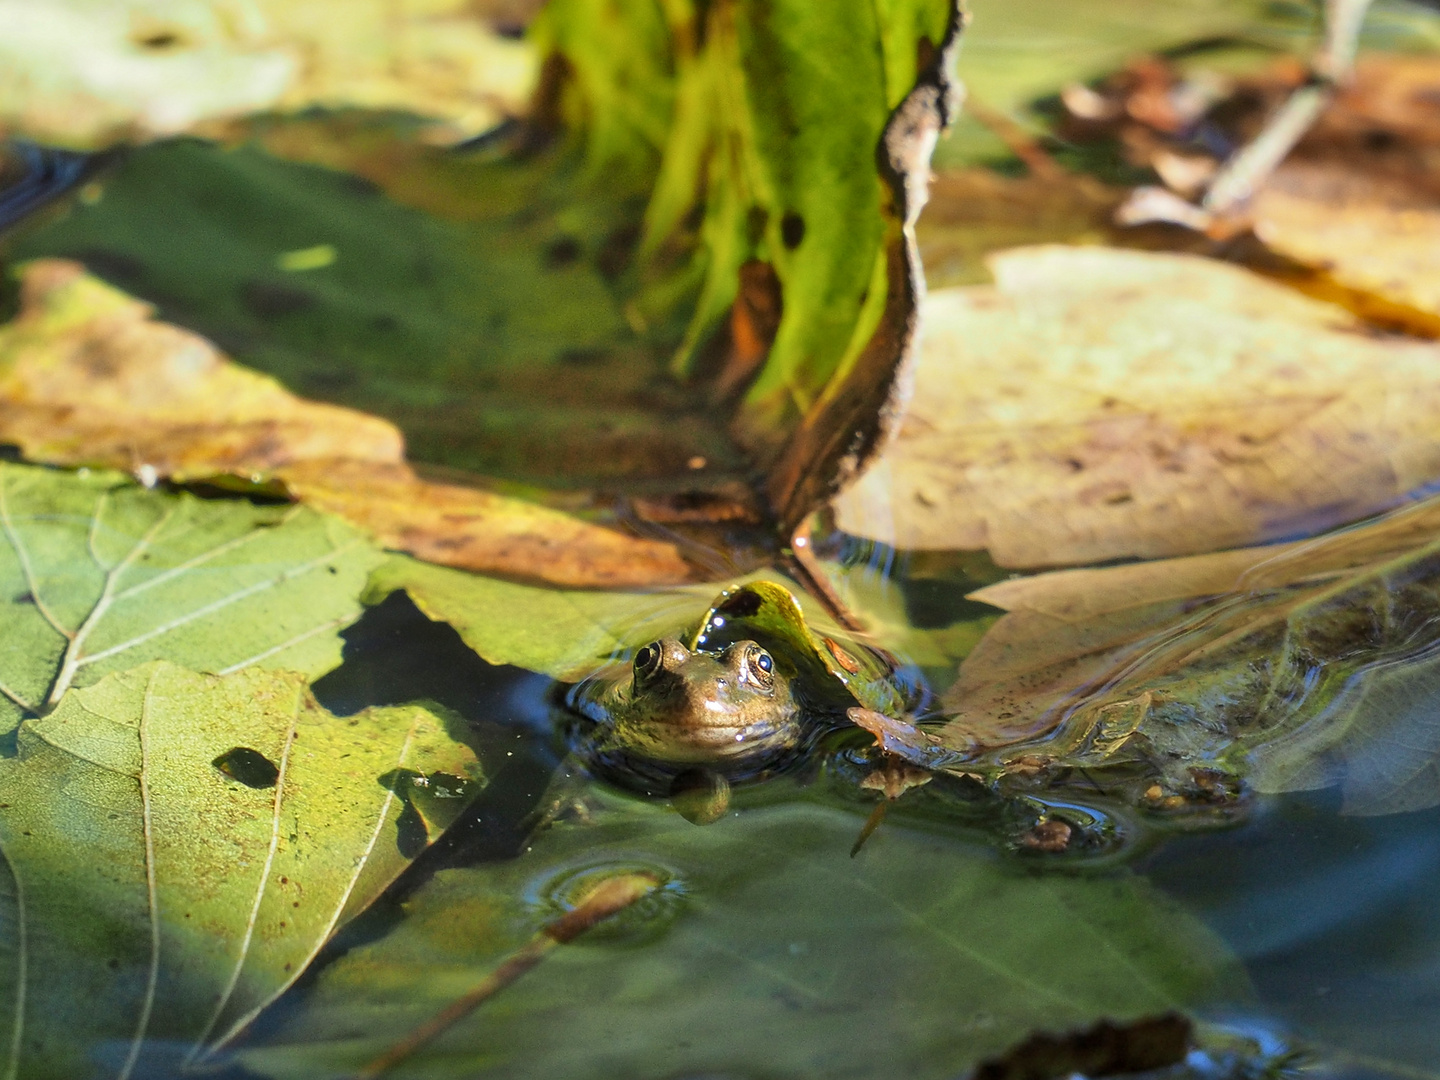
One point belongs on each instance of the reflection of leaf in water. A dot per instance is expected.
(766, 952)
(1306, 664)
(98, 574)
(150, 896)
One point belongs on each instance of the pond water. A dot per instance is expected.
(1299, 939)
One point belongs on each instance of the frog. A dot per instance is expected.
(744, 694)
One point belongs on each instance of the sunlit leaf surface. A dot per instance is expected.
(1097, 404)
(98, 575)
(78, 72)
(767, 951)
(177, 846)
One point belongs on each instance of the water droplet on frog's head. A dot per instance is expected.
(647, 919)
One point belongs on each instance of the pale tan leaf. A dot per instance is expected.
(1097, 404)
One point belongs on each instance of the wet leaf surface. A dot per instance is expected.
(98, 574)
(1120, 404)
(765, 949)
(88, 377)
(86, 74)
(1295, 667)
(155, 900)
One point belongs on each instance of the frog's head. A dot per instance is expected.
(699, 707)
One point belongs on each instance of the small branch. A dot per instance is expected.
(611, 896)
(812, 577)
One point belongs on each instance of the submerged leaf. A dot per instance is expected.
(88, 377)
(98, 574)
(1118, 403)
(766, 948)
(153, 902)
(1297, 666)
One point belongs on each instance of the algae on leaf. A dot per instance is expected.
(765, 951)
(98, 574)
(176, 847)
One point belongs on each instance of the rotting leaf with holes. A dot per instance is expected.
(152, 901)
(98, 574)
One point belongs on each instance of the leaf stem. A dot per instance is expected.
(142, 1025)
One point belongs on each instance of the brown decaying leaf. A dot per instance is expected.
(1071, 632)
(89, 377)
(1097, 404)
(479, 530)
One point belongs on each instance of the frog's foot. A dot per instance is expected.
(903, 740)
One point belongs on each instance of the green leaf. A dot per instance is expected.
(767, 952)
(176, 848)
(98, 574)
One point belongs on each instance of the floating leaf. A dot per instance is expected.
(152, 899)
(90, 74)
(1120, 403)
(1297, 666)
(766, 948)
(87, 377)
(98, 575)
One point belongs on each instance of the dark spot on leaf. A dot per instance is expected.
(271, 301)
(1380, 139)
(159, 40)
(287, 967)
(755, 221)
(411, 836)
(792, 229)
(1119, 498)
(742, 605)
(249, 767)
(384, 323)
(582, 357)
(24, 598)
(113, 964)
(614, 254)
(332, 570)
(113, 266)
(1153, 1042)
(561, 251)
(284, 881)
(359, 186)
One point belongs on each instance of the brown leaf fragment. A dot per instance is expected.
(1051, 836)
(895, 777)
(1373, 233)
(479, 530)
(88, 376)
(1151, 1042)
(1099, 404)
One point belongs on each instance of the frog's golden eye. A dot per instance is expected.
(759, 667)
(649, 659)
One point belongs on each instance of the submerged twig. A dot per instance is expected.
(608, 898)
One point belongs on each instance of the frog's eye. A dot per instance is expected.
(648, 659)
(759, 667)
